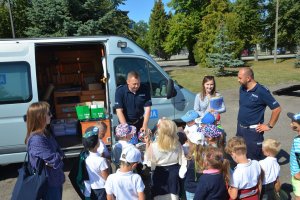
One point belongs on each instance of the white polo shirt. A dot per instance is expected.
(124, 185)
(271, 169)
(246, 175)
(102, 149)
(94, 165)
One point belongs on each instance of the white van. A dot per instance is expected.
(69, 71)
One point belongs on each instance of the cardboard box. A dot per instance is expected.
(83, 112)
(94, 86)
(97, 112)
(62, 127)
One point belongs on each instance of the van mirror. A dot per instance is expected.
(171, 92)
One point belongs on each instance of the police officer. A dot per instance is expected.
(254, 98)
(133, 102)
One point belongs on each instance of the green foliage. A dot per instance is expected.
(141, 29)
(297, 62)
(77, 17)
(5, 30)
(222, 55)
(158, 30)
(250, 21)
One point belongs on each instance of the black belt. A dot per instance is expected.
(134, 122)
(248, 127)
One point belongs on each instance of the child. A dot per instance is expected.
(212, 183)
(245, 179)
(213, 136)
(96, 165)
(189, 119)
(270, 170)
(295, 154)
(124, 133)
(124, 184)
(102, 150)
(190, 167)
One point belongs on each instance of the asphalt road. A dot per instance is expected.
(281, 132)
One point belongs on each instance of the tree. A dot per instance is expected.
(158, 30)
(5, 31)
(250, 15)
(288, 24)
(141, 28)
(217, 14)
(77, 17)
(222, 55)
(184, 26)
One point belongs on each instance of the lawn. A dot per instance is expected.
(266, 73)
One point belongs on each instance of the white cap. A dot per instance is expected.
(131, 155)
(195, 137)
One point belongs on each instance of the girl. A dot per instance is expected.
(165, 156)
(201, 104)
(41, 144)
(212, 183)
(190, 168)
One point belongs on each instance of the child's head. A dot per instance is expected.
(195, 140)
(167, 138)
(271, 147)
(90, 139)
(130, 156)
(182, 137)
(102, 129)
(125, 131)
(189, 117)
(212, 134)
(236, 145)
(295, 124)
(214, 159)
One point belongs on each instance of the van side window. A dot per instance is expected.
(148, 74)
(15, 82)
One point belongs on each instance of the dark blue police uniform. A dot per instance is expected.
(253, 104)
(133, 104)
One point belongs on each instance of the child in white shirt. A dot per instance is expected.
(245, 179)
(124, 184)
(124, 133)
(102, 149)
(270, 170)
(96, 165)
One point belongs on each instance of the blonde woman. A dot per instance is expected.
(165, 155)
(41, 144)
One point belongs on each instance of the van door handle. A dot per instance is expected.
(183, 99)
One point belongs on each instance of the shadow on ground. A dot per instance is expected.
(293, 90)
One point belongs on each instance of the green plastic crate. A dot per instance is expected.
(83, 112)
(97, 112)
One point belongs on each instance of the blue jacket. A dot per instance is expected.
(46, 148)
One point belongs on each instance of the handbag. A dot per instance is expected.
(31, 183)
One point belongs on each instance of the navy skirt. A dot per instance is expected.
(165, 180)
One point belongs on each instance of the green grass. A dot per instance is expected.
(266, 73)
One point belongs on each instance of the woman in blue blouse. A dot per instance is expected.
(202, 100)
(41, 144)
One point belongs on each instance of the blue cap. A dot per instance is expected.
(294, 117)
(190, 116)
(208, 119)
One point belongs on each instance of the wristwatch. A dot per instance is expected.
(268, 124)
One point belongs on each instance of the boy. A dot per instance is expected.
(102, 149)
(189, 119)
(124, 133)
(270, 169)
(125, 184)
(295, 154)
(245, 179)
(96, 165)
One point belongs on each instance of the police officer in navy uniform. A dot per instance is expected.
(254, 98)
(133, 102)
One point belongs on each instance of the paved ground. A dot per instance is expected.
(281, 132)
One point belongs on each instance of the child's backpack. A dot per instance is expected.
(79, 176)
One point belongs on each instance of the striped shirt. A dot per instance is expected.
(295, 156)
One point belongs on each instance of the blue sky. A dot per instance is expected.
(140, 9)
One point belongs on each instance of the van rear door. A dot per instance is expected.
(17, 90)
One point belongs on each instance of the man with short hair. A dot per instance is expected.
(133, 102)
(254, 98)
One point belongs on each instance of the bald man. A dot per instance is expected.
(254, 98)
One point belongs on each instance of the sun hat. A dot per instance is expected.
(208, 118)
(195, 137)
(190, 116)
(124, 129)
(211, 131)
(131, 155)
(294, 117)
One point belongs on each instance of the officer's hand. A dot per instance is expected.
(262, 128)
